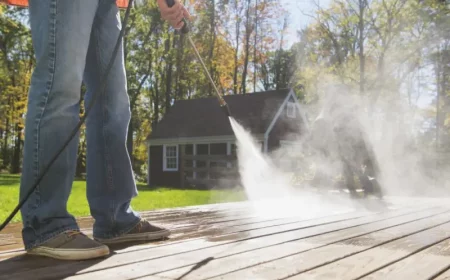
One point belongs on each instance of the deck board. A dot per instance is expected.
(371, 259)
(444, 274)
(232, 241)
(423, 263)
(277, 261)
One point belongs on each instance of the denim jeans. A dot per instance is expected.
(73, 42)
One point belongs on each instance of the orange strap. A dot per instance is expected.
(123, 4)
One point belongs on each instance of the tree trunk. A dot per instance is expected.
(81, 159)
(155, 104)
(5, 145)
(255, 70)
(248, 32)
(280, 55)
(15, 165)
(236, 53)
(213, 43)
(180, 63)
(438, 94)
(169, 66)
(362, 5)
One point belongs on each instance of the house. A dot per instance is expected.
(194, 141)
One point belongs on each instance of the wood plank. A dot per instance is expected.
(372, 259)
(424, 263)
(153, 260)
(192, 228)
(180, 233)
(445, 275)
(305, 253)
(198, 232)
(175, 214)
(233, 228)
(182, 227)
(227, 236)
(168, 216)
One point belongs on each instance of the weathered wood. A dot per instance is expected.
(422, 263)
(304, 253)
(160, 259)
(228, 235)
(373, 258)
(444, 275)
(222, 240)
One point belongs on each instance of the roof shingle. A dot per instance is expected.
(203, 117)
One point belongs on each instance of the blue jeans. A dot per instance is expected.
(73, 42)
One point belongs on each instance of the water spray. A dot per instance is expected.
(185, 30)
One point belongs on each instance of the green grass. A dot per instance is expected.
(148, 199)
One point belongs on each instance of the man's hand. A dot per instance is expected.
(175, 14)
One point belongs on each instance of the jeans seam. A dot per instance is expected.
(108, 175)
(51, 68)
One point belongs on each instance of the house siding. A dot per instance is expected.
(285, 128)
(157, 176)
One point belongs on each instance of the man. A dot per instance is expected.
(338, 139)
(355, 152)
(73, 42)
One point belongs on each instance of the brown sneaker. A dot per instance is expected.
(71, 245)
(144, 231)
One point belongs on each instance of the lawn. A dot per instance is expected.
(148, 199)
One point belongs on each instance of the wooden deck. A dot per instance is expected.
(404, 238)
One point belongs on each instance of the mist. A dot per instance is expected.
(405, 168)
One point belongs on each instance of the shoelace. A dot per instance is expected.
(139, 226)
(73, 233)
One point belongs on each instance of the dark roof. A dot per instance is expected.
(203, 117)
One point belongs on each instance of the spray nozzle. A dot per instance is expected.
(226, 110)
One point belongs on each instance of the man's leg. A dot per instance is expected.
(60, 32)
(371, 178)
(110, 179)
(349, 178)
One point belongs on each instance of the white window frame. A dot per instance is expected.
(290, 109)
(165, 158)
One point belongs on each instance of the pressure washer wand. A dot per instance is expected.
(185, 30)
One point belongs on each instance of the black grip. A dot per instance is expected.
(185, 28)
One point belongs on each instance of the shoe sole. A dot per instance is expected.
(70, 254)
(138, 237)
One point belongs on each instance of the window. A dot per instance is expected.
(170, 158)
(202, 149)
(218, 149)
(189, 149)
(290, 109)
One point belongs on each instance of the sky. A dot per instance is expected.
(297, 19)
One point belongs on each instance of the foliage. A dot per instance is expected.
(379, 47)
(161, 66)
